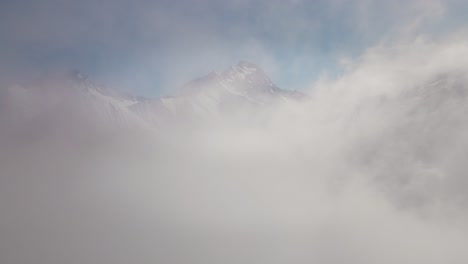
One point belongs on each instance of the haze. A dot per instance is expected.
(358, 155)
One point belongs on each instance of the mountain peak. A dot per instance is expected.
(247, 68)
(248, 64)
(248, 73)
(244, 80)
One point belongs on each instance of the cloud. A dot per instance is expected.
(150, 42)
(369, 170)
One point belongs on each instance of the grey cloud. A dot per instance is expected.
(369, 170)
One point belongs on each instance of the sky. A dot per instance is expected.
(152, 47)
(369, 168)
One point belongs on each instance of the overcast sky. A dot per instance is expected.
(150, 47)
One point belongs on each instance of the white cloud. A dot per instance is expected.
(370, 170)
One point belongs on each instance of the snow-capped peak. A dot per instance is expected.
(246, 70)
(241, 87)
(242, 78)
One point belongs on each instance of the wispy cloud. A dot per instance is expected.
(151, 46)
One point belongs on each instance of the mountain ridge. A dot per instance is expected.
(244, 86)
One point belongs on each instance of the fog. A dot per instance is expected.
(370, 169)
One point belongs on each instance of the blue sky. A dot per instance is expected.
(151, 47)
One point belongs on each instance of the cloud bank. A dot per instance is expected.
(371, 169)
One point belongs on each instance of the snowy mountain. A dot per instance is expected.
(244, 87)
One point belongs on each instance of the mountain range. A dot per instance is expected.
(243, 87)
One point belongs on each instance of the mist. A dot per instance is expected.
(369, 169)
